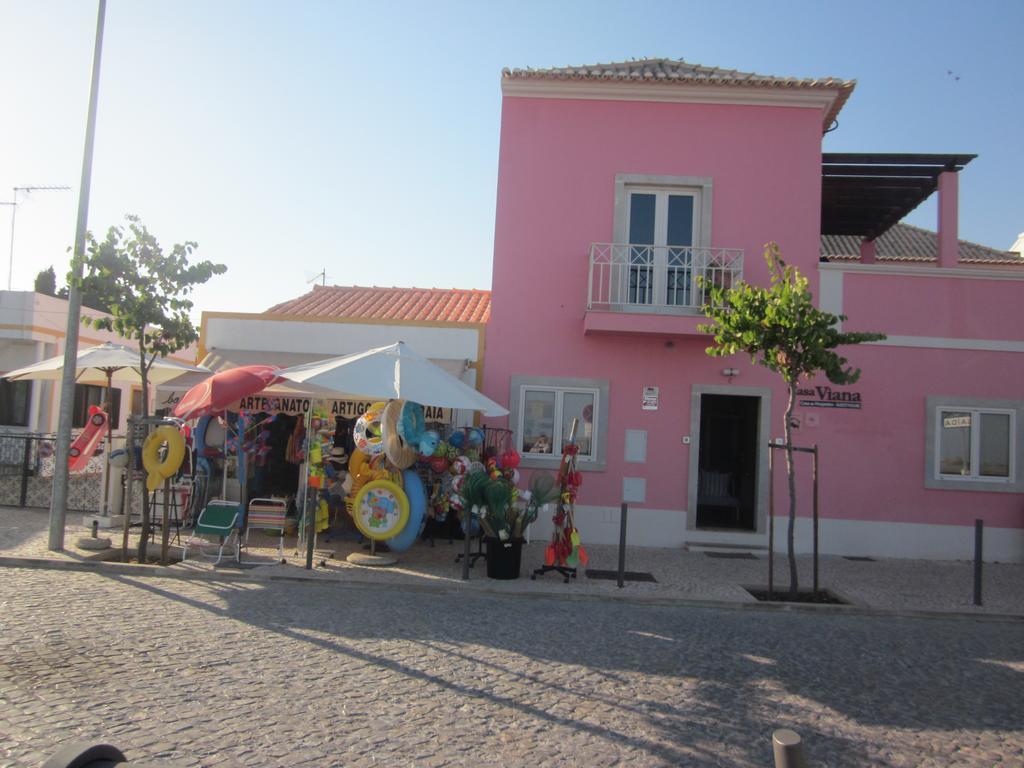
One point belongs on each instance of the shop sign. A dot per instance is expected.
(650, 401)
(349, 409)
(826, 397)
(171, 400)
(953, 422)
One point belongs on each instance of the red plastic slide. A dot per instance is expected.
(85, 444)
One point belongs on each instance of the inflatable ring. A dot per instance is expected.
(356, 462)
(380, 510)
(417, 495)
(411, 423)
(161, 470)
(367, 432)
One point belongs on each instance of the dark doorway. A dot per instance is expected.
(727, 465)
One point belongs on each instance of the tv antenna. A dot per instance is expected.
(322, 274)
(14, 210)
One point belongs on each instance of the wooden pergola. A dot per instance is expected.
(865, 194)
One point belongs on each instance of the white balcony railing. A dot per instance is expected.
(660, 279)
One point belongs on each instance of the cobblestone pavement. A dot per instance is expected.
(217, 671)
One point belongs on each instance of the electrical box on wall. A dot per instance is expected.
(636, 445)
(634, 490)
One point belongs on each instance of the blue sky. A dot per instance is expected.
(362, 137)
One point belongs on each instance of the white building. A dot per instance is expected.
(32, 328)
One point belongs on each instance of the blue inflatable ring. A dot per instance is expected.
(411, 423)
(417, 495)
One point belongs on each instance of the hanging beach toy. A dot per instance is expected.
(411, 423)
(367, 432)
(381, 510)
(400, 453)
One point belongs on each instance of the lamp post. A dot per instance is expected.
(14, 210)
(59, 497)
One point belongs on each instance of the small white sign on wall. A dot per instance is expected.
(650, 402)
(955, 422)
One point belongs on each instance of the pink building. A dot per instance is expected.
(618, 186)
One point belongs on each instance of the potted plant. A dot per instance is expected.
(503, 513)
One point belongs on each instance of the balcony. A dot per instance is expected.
(655, 288)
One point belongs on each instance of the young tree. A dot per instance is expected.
(781, 329)
(147, 293)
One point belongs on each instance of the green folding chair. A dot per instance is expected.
(217, 525)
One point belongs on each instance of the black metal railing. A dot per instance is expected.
(26, 474)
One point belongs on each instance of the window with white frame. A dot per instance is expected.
(545, 420)
(974, 444)
(541, 413)
(660, 220)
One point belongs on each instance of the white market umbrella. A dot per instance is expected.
(392, 372)
(105, 363)
(386, 373)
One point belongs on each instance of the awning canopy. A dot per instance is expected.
(221, 359)
(865, 194)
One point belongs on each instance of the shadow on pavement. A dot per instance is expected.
(733, 668)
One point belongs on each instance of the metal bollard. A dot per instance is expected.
(622, 544)
(95, 528)
(979, 533)
(83, 754)
(788, 749)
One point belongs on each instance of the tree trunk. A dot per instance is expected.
(144, 535)
(791, 478)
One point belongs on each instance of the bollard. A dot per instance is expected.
(622, 544)
(95, 528)
(82, 754)
(788, 749)
(979, 530)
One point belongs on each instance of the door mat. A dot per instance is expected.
(732, 555)
(781, 595)
(593, 573)
(859, 558)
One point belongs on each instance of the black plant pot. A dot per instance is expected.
(503, 558)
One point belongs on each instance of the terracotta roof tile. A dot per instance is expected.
(448, 305)
(674, 71)
(906, 243)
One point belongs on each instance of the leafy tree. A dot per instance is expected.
(46, 282)
(91, 297)
(781, 329)
(146, 292)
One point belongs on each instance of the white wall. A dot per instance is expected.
(333, 339)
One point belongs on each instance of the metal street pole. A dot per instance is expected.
(59, 499)
(14, 210)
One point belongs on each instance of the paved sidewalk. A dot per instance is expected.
(886, 585)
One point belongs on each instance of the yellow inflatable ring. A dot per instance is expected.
(356, 462)
(380, 510)
(161, 470)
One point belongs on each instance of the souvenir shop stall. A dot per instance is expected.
(374, 453)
